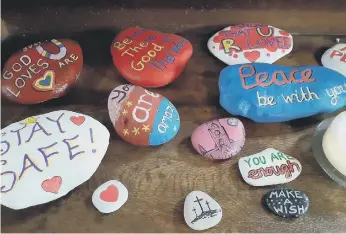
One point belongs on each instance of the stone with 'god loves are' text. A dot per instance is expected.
(142, 117)
(269, 167)
(42, 71)
(149, 58)
(271, 93)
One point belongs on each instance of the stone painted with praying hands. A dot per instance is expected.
(272, 93)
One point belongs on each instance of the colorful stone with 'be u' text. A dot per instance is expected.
(249, 43)
(142, 117)
(149, 58)
(272, 93)
(42, 71)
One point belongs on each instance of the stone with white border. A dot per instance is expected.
(249, 43)
(46, 156)
(110, 196)
(335, 58)
(269, 167)
(201, 211)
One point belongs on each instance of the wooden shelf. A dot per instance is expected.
(158, 179)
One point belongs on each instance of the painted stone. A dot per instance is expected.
(287, 203)
(333, 143)
(42, 71)
(335, 58)
(201, 211)
(142, 117)
(271, 93)
(110, 196)
(149, 58)
(249, 43)
(45, 156)
(219, 139)
(269, 167)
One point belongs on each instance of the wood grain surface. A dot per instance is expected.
(159, 178)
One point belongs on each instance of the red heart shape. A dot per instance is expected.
(52, 185)
(252, 56)
(77, 120)
(111, 194)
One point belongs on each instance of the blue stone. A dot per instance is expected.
(272, 93)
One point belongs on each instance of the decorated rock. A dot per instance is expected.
(287, 203)
(42, 71)
(249, 43)
(46, 156)
(271, 93)
(110, 196)
(219, 139)
(149, 58)
(201, 211)
(269, 167)
(335, 58)
(142, 117)
(333, 143)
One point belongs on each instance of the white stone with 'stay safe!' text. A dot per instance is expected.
(335, 58)
(201, 211)
(46, 156)
(110, 196)
(269, 167)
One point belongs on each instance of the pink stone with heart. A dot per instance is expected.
(219, 139)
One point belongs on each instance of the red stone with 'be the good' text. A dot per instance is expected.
(149, 58)
(42, 71)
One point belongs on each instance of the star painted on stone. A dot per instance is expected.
(126, 132)
(135, 131)
(30, 120)
(175, 128)
(146, 128)
(128, 103)
(125, 112)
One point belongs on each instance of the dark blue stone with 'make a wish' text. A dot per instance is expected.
(272, 93)
(287, 203)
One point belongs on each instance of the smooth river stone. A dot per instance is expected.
(201, 211)
(46, 156)
(287, 203)
(335, 58)
(42, 71)
(149, 58)
(269, 167)
(142, 117)
(219, 139)
(271, 93)
(334, 143)
(249, 43)
(110, 196)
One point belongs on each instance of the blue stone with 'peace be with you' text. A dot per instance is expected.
(272, 93)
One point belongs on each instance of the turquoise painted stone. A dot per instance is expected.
(272, 93)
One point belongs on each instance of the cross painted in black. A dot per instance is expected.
(199, 202)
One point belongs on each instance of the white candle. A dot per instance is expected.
(334, 143)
